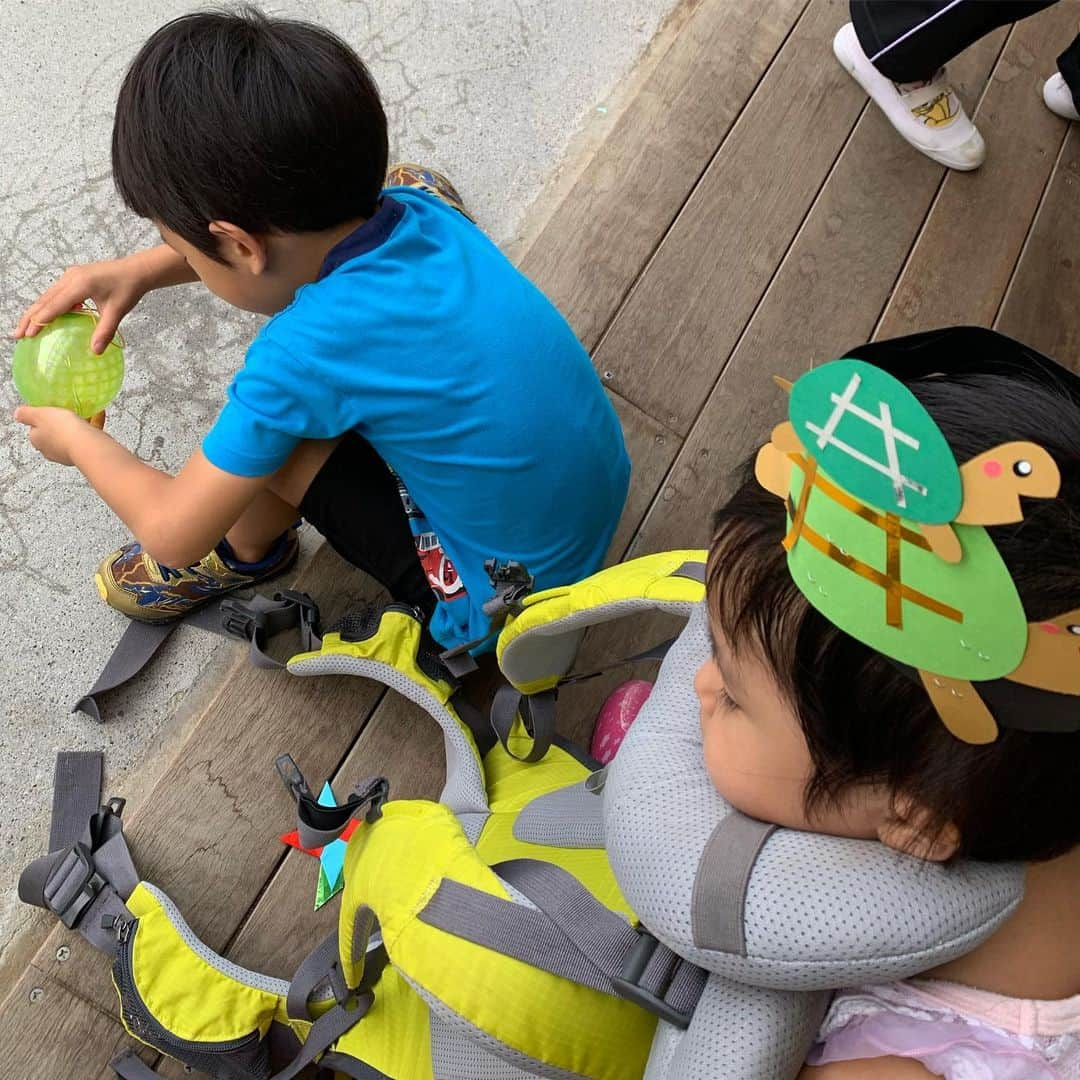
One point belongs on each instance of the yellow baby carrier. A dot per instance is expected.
(545, 917)
(506, 880)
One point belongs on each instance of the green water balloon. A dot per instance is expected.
(56, 366)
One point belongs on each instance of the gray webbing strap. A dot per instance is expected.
(569, 934)
(129, 1066)
(322, 966)
(256, 620)
(537, 713)
(723, 876)
(326, 1031)
(482, 732)
(347, 1065)
(86, 879)
(76, 795)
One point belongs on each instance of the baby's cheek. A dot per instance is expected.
(720, 751)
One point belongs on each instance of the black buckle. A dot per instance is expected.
(86, 892)
(628, 984)
(239, 620)
(511, 582)
(292, 777)
(376, 793)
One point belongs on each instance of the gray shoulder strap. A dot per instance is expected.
(571, 934)
(723, 876)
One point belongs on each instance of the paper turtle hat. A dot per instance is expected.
(887, 532)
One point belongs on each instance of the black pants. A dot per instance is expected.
(356, 504)
(908, 40)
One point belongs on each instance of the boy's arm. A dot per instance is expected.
(115, 286)
(177, 519)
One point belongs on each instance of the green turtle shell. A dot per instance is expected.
(963, 620)
(869, 432)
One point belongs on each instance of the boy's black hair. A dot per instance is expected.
(865, 721)
(270, 124)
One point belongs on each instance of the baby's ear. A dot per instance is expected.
(908, 828)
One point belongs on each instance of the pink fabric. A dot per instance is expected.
(955, 1031)
(615, 717)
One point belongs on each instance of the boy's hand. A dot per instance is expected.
(115, 286)
(53, 431)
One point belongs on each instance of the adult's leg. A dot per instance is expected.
(1063, 90)
(908, 40)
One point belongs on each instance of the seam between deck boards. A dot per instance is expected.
(1007, 291)
(649, 259)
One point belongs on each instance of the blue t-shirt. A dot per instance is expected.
(422, 337)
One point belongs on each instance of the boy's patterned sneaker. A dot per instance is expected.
(133, 583)
(406, 174)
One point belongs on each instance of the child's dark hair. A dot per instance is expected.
(269, 124)
(867, 722)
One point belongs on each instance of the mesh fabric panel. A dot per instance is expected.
(464, 791)
(571, 817)
(820, 911)
(453, 1055)
(739, 1032)
(470, 1033)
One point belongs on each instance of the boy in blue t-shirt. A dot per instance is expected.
(414, 396)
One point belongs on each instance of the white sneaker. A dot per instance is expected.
(928, 115)
(1058, 97)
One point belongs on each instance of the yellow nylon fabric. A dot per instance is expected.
(647, 578)
(187, 995)
(538, 1014)
(395, 1036)
(511, 785)
(396, 644)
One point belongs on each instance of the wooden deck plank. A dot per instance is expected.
(1043, 299)
(827, 295)
(57, 1035)
(652, 448)
(615, 214)
(687, 311)
(964, 257)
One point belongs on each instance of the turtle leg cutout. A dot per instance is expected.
(772, 469)
(943, 542)
(961, 709)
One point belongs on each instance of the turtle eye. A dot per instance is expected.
(1073, 628)
(1023, 467)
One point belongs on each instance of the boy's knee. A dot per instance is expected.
(291, 482)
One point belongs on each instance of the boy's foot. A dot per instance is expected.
(927, 114)
(406, 174)
(133, 583)
(1059, 98)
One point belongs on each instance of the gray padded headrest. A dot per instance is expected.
(774, 907)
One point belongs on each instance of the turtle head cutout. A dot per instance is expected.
(886, 538)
